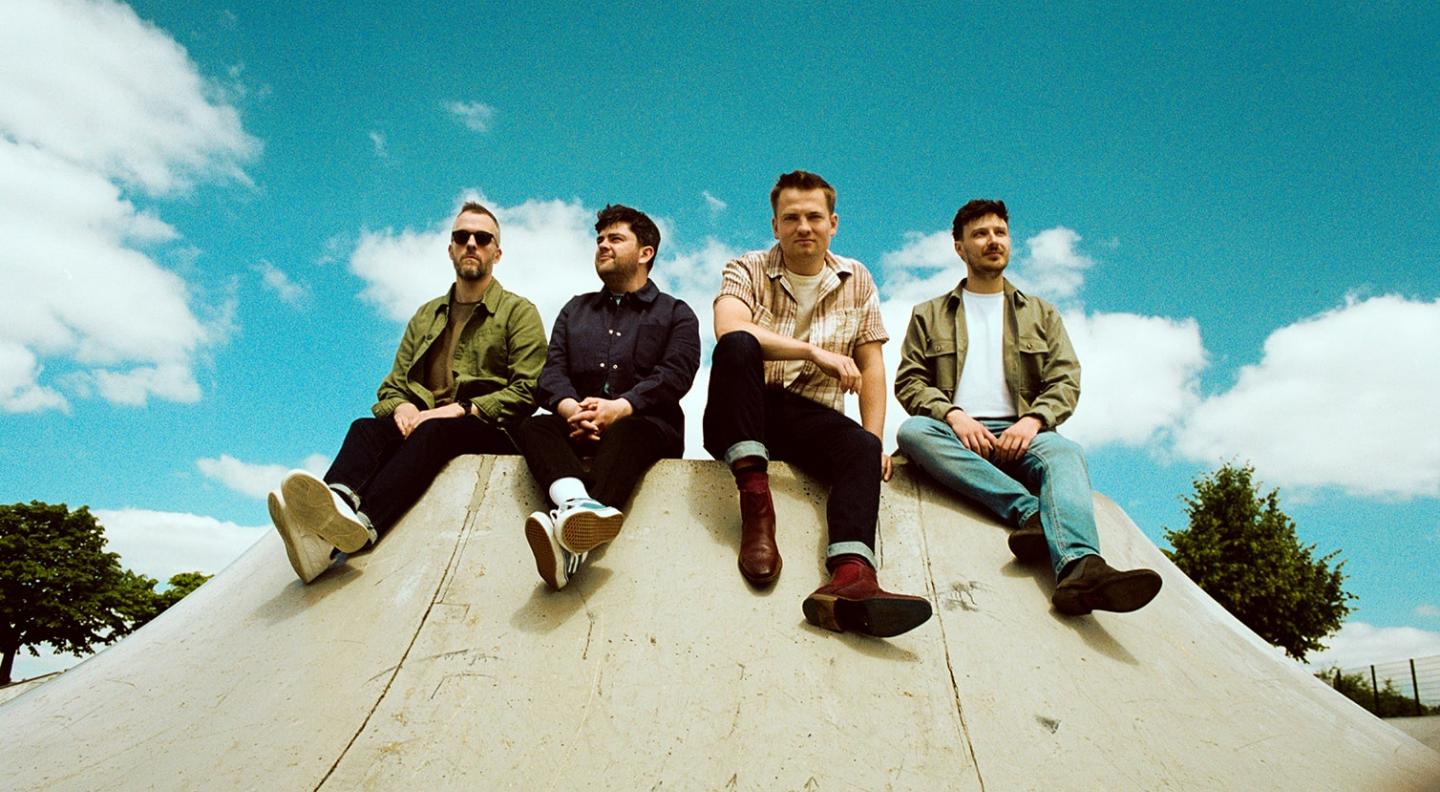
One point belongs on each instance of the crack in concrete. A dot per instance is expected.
(482, 483)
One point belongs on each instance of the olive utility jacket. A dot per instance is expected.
(1041, 369)
(497, 358)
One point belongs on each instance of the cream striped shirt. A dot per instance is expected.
(847, 314)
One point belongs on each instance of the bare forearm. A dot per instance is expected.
(773, 346)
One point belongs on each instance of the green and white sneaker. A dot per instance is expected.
(311, 505)
(583, 525)
(554, 563)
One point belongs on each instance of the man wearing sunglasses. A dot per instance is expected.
(619, 361)
(463, 377)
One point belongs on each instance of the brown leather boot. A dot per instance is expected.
(759, 557)
(854, 602)
(1090, 584)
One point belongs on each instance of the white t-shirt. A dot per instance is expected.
(982, 392)
(806, 289)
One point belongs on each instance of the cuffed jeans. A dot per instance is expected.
(1054, 466)
(625, 451)
(388, 472)
(744, 418)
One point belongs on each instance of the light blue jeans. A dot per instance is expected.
(1054, 466)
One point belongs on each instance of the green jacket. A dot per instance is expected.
(497, 359)
(1041, 369)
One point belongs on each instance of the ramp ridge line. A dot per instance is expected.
(482, 476)
(944, 638)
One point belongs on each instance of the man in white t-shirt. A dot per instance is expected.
(987, 373)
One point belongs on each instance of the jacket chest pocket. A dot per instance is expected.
(1033, 351)
(940, 361)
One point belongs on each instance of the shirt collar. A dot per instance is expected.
(775, 263)
(645, 294)
(1012, 294)
(490, 299)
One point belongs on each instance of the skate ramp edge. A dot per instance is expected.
(439, 660)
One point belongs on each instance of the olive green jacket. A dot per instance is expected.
(497, 359)
(1041, 369)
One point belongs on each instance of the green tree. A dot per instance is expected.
(1242, 550)
(58, 584)
(152, 603)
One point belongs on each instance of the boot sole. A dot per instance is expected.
(881, 617)
(1122, 593)
(548, 563)
(305, 571)
(1028, 548)
(313, 505)
(587, 530)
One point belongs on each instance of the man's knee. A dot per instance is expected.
(1055, 449)
(736, 348)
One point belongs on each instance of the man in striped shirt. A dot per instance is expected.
(798, 328)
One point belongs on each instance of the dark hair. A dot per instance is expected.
(801, 180)
(477, 208)
(640, 223)
(974, 210)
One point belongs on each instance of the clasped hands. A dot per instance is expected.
(592, 415)
(1009, 447)
(408, 417)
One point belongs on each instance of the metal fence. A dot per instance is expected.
(1396, 689)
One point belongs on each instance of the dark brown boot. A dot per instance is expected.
(759, 557)
(1091, 584)
(1027, 543)
(854, 602)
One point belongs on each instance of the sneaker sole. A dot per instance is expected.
(304, 571)
(313, 505)
(881, 617)
(548, 563)
(1028, 547)
(1123, 593)
(584, 531)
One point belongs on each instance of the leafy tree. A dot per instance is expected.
(58, 584)
(1242, 550)
(1357, 688)
(152, 603)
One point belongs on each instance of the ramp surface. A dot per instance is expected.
(440, 661)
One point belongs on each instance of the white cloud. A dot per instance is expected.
(377, 139)
(97, 87)
(255, 480)
(1359, 644)
(1427, 610)
(160, 544)
(1052, 267)
(715, 205)
(1345, 398)
(475, 116)
(75, 265)
(1139, 376)
(275, 279)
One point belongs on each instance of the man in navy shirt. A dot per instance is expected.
(619, 361)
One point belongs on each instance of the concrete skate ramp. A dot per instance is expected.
(439, 661)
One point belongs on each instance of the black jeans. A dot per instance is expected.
(743, 414)
(625, 451)
(390, 472)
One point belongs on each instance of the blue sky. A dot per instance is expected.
(218, 216)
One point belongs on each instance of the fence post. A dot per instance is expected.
(1415, 686)
(1375, 690)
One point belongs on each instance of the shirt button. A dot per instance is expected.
(615, 366)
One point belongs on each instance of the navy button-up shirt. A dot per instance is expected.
(643, 347)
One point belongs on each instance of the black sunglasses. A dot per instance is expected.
(482, 238)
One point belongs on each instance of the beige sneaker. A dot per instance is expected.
(309, 554)
(312, 506)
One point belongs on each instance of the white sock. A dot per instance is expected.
(567, 489)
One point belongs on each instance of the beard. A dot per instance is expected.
(472, 269)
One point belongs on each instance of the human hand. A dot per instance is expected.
(1015, 441)
(887, 467)
(973, 434)
(841, 367)
(407, 417)
(605, 412)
